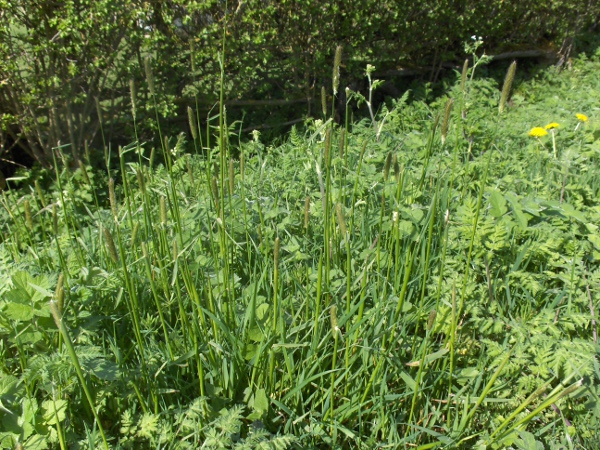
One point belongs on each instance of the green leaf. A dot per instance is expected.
(261, 401)
(9, 386)
(527, 441)
(410, 382)
(53, 410)
(595, 240)
(36, 442)
(262, 310)
(498, 203)
(436, 355)
(518, 213)
(18, 311)
(103, 369)
(28, 337)
(570, 211)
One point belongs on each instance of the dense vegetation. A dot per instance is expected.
(69, 70)
(426, 278)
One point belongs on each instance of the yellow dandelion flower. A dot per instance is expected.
(581, 117)
(538, 132)
(552, 126)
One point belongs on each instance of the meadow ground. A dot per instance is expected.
(427, 278)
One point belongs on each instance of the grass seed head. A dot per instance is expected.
(192, 123)
(84, 172)
(56, 315)
(342, 143)
(59, 293)
(112, 198)
(190, 171)
(431, 319)
(140, 179)
(110, 245)
(54, 219)
(306, 211)
(149, 76)
(508, 81)
(327, 146)
(133, 101)
(446, 118)
(28, 217)
(163, 211)
(231, 176)
(463, 75)
(276, 252)
(339, 212)
(134, 233)
(40, 193)
(387, 166)
(215, 191)
(334, 321)
(337, 61)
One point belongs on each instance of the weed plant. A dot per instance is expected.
(425, 279)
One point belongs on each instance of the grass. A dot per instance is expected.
(424, 279)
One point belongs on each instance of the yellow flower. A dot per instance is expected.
(552, 125)
(538, 132)
(581, 117)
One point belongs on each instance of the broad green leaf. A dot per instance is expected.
(53, 410)
(103, 369)
(28, 337)
(262, 310)
(528, 442)
(9, 386)
(594, 239)
(255, 334)
(261, 401)
(519, 215)
(8, 439)
(570, 211)
(498, 203)
(18, 311)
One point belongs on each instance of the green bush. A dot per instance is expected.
(64, 65)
